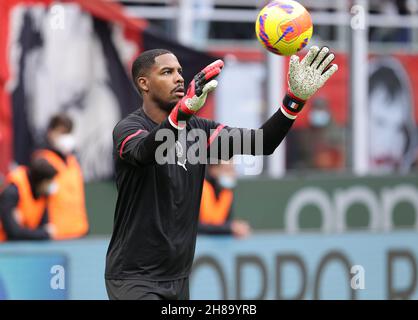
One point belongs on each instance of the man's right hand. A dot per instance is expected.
(195, 98)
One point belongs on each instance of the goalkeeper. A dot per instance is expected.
(155, 225)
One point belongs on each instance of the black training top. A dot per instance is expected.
(156, 215)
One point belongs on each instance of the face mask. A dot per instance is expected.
(65, 143)
(52, 188)
(320, 118)
(227, 182)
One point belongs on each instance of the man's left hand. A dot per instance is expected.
(310, 74)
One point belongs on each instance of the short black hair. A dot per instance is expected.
(40, 170)
(144, 62)
(60, 120)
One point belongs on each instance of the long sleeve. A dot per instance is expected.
(8, 202)
(136, 145)
(262, 141)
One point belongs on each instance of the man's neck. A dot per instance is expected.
(154, 113)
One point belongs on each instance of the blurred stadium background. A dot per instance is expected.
(336, 202)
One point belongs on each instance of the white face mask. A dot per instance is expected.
(320, 118)
(65, 143)
(227, 182)
(52, 188)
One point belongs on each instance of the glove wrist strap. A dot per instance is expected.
(292, 105)
(178, 117)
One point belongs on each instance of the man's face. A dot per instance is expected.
(165, 83)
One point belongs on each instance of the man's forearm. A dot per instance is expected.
(275, 130)
(262, 141)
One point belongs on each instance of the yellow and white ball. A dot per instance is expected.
(284, 27)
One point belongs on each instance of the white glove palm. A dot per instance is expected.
(307, 76)
(196, 102)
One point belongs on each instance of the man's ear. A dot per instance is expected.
(142, 84)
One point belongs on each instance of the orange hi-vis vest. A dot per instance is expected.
(29, 210)
(66, 208)
(214, 210)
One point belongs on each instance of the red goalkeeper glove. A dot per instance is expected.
(195, 98)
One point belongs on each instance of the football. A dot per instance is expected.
(284, 27)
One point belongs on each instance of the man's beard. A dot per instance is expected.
(163, 105)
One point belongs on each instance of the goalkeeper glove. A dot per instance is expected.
(195, 98)
(306, 77)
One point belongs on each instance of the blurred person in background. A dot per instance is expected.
(66, 208)
(320, 146)
(326, 141)
(23, 202)
(216, 208)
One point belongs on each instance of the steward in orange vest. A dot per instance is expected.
(23, 202)
(66, 207)
(217, 201)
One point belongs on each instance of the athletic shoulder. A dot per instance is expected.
(133, 122)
